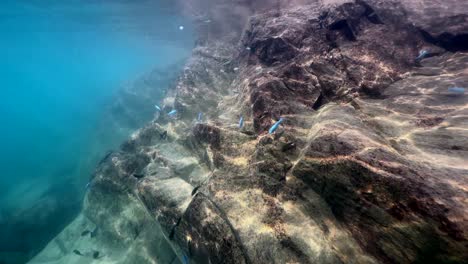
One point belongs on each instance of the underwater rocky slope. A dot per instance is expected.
(369, 166)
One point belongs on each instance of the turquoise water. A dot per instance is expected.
(61, 63)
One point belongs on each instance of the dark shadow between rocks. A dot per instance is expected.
(344, 27)
(448, 41)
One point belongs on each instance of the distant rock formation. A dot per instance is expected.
(133, 104)
(369, 166)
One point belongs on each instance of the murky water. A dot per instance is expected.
(62, 62)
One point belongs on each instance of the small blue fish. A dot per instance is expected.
(157, 108)
(185, 260)
(241, 122)
(422, 54)
(171, 113)
(456, 90)
(88, 185)
(200, 116)
(274, 127)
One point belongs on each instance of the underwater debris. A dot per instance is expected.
(275, 126)
(241, 122)
(163, 135)
(456, 90)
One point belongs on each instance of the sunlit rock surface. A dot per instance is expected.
(369, 166)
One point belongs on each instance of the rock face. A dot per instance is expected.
(369, 166)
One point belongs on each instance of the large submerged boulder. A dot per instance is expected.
(370, 164)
